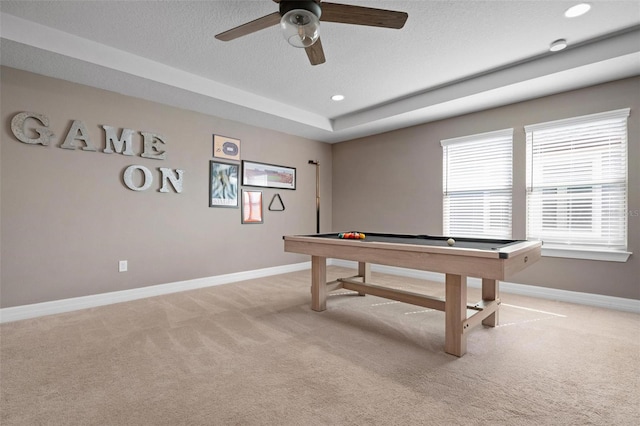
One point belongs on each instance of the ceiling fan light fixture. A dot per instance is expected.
(301, 28)
(300, 23)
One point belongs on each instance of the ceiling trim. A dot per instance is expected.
(56, 41)
(576, 58)
(613, 57)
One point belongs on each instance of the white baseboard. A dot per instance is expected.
(67, 305)
(598, 300)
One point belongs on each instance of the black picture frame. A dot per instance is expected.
(267, 175)
(224, 180)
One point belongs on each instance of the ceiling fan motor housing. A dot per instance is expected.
(310, 5)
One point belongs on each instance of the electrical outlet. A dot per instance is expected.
(122, 266)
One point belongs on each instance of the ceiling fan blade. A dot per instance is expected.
(315, 53)
(250, 27)
(358, 15)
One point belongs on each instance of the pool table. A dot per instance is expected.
(490, 260)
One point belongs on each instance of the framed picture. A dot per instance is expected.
(223, 184)
(268, 175)
(251, 206)
(224, 147)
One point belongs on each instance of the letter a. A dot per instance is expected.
(77, 127)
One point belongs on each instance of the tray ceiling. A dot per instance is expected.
(451, 58)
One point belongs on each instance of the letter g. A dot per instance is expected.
(44, 134)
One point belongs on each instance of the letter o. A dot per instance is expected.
(128, 178)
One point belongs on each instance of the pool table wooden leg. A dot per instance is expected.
(491, 291)
(455, 311)
(364, 271)
(318, 283)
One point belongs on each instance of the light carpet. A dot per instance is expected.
(253, 353)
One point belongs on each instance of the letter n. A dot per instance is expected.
(167, 176)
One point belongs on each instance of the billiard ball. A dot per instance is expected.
(451, 241)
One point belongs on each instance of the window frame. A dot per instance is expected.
(595, 197)
(488, 196)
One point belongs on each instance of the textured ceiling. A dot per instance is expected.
(452, 57)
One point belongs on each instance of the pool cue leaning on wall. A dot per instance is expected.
(317, 164)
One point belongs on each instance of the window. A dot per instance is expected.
(477, 185)
(577, 182)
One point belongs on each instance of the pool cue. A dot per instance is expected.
(317, 164)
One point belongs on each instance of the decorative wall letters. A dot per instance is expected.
(78, 136)
(78, 131)
(17, 128)
(167, 176)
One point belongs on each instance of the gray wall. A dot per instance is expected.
(393, 182)
(67, 217)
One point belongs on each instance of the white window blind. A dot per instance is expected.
(577, 182)
(477, 185)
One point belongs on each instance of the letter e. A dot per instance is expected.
(151, 143)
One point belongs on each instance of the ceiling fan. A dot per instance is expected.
(299, 20)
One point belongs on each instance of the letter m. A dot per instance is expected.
(113, 143)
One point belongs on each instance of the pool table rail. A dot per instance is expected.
(458, 260)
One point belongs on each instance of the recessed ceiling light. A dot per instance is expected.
(337, 98)
(558, 45)
(577, 10)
